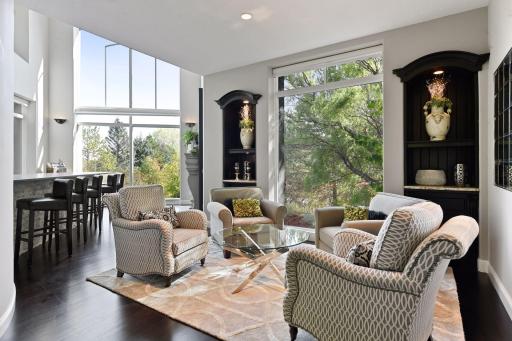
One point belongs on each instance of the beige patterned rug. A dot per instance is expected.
(201, 297)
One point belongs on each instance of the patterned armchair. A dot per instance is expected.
(221, 217)
(334, 299)
(154, 246)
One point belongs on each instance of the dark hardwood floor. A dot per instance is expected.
(54, 302)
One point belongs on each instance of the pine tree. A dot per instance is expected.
(118, 143)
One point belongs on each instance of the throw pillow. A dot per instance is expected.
(376, 215)
(355, 213)
(404, 229)
(229, 204)
(361, 253)
(167, 214)
(243, 208)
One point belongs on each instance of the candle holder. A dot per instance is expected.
(237, 171)
(247, 170)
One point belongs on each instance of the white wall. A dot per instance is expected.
(189, 107)
(500, 200)
(7, 288)
(31, 82)
(60, 62)
(465, 31)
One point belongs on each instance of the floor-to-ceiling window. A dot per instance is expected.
(330, 132)
(127, 113)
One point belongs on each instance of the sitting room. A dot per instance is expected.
(256, 170)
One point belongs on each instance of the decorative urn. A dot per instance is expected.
(437, 121)
(246, 127)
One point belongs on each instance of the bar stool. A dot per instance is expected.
(79, 197)
(61, 200)
(94, 193)
(112, 182)
(120, 183)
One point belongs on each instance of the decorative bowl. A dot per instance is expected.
(430, 177)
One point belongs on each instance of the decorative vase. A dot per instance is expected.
(459, 175)
(430, 177)
(437, 123)
(247, 137)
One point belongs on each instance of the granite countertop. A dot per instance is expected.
(49, 176)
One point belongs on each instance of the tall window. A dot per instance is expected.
(330, 132)
(127, 113)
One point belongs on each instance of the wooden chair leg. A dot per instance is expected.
(77, 213)
(57, 230)
(100, 213)
(45, 227)
(168, 281)
(202, 261)
(19, 220)
(227, 254)
(293, 332)
(30, 236)
(69, 230)
(120, 274)
(85, 207)
(50, 230)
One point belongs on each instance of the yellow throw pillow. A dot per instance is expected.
(355, 213)
(243, 208)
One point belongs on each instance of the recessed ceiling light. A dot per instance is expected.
(438, 72)
(246, 16)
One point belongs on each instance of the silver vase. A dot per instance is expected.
(459, 175)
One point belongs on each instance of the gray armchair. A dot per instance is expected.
(154, 246)
(334, 299)
(328, 220)
(221, 217)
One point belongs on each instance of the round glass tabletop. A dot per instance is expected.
(258, 237)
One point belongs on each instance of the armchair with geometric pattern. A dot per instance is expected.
(154, 246)
(334, 299)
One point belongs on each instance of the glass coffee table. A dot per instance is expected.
(260, 243)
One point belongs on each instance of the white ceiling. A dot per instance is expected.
(207, 36)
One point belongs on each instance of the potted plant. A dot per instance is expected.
(190, 138)
(246, 127)
(437, 122)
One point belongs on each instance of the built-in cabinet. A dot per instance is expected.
(461, 143)
(234, 153)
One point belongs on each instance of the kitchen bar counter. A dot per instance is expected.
(51, 176)
(35, 186)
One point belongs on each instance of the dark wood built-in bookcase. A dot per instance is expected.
(231, 104)
(502, 128)
(461, 143)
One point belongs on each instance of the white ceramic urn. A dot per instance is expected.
(247, 137)
(437, 123)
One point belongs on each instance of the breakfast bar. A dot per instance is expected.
(36, 185)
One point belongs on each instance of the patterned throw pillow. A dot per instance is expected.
(243, 208)
(361, 253)
(355, 213)
(167, 214)
(402, 232)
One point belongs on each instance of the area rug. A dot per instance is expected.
(201, 298)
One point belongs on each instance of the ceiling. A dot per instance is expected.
(208, 36)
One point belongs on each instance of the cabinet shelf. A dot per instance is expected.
(241, 151)
(440, 144)
(442, 188)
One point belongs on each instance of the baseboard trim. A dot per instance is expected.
(501, 290)
(6, 317)
(483, 265)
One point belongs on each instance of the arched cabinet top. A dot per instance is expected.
(237, 95)
(460, 59)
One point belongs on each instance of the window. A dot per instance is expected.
(127, 114)
(330, 133)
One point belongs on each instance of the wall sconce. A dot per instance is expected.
(190, 124)
(60, 120)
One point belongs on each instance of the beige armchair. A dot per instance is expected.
(328, 220)
(334, 299)
(154, 246)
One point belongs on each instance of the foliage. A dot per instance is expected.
(332, 141)
(441, 102)
(156, 155)
(246, 122)
(191, 139)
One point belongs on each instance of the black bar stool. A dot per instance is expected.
(120, 183)
(94, 193)
(113, 180)
(61, 200)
